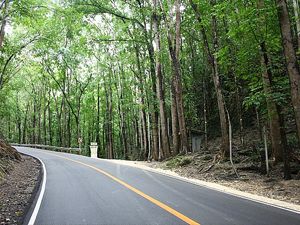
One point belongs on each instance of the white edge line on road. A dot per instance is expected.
(184, 179)
(40, 198)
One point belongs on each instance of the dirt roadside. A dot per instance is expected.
(17, 190)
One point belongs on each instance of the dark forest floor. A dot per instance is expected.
(17, 189)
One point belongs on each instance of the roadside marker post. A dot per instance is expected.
(79, 143)
(94, 149)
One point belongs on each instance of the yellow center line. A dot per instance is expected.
(149, 198)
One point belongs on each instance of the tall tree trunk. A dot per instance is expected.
(77, 119)
(143, 112)
(153, 106)
(9, 127)
(205, 114)
(4, 21)
(297, 20)
(174, 117)
(59, 136)
(45, 121)
(238, 92)
(177, 110)
(174, 50)
(39, 121)
(123, 136)
(19, 128)
(25, 124)
(291, 59)
(98, 136)
(110, 153)
(154, 111)
(50, 121)
(220, 97)
(274, 120)
(18, 121)
(159, 85)
(66, 128)
(215, 74)
(286, 149)
(145, 134)
(69, 129)
(34, 123)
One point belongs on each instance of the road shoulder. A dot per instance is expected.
(18, 190)
(214, 186)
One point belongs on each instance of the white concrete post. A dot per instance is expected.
(94, 149)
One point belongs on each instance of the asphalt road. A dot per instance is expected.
(81, 190)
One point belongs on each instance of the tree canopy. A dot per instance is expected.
(138, 76)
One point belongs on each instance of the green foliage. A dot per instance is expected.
(60, 52)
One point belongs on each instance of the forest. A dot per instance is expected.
(138, 76)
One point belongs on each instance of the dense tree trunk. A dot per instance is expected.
(68, 128)
(159, 85)
(215, 74)
(109, 143)
(273, 115)
(50, 120)
(217, 83)
(33, 137)
(59, 109)
(174, 44)
(286, 149)
(9, 127)
(4, 21)
(25, 124)
(98, 136)
(153, 106)
(143, 112)
(45, 120)
(205, 114)
(297, 20)
(291, 59)
(122, 122)
(232, 73)
(39, 127)
(154, 110)
(174, 116)
(18, 121)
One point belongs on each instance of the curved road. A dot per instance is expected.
(81, 190)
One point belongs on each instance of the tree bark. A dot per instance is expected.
(159, 85)
(273, 115)
(215, 74)
(49, 120)
(174, 50)
(34, 123)
(220, 97)
(110, 152)
(45, 119)
(98, 136)
(152, 105)
(25, 124)
(143, 112)
(291, 59)
(297, 20)
(4, 21)
(154, 110)
(174, 116)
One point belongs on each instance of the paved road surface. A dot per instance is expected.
(81, 190)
